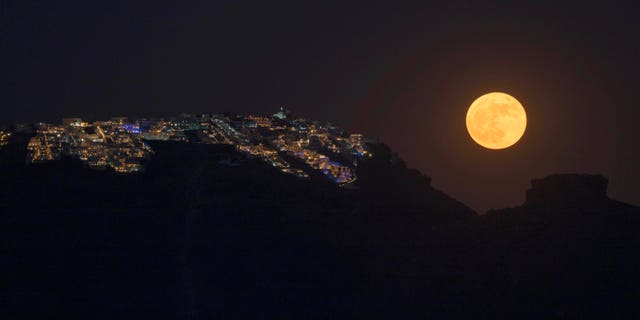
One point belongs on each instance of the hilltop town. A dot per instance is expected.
(279, 139)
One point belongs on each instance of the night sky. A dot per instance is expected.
(403, 73)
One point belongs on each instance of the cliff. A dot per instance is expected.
(206, 232)
(568, 191)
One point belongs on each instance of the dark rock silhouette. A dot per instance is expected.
(569, 246)
(568, 191)
(194, 238)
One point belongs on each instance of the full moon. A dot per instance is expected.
(496, 120)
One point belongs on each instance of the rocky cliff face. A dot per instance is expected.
(564, 195)
(195, 237)
(568, 191)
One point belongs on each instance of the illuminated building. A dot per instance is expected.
(69, 122)
(119, 120)
(4, 138)
(282, 114)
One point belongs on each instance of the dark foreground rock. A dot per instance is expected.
(195, 239)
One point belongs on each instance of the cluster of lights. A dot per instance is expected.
(277, 139)
(100, 145)
(4, 138)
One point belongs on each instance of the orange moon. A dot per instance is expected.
(496, 120)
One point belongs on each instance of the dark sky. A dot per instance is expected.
(405, 73)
